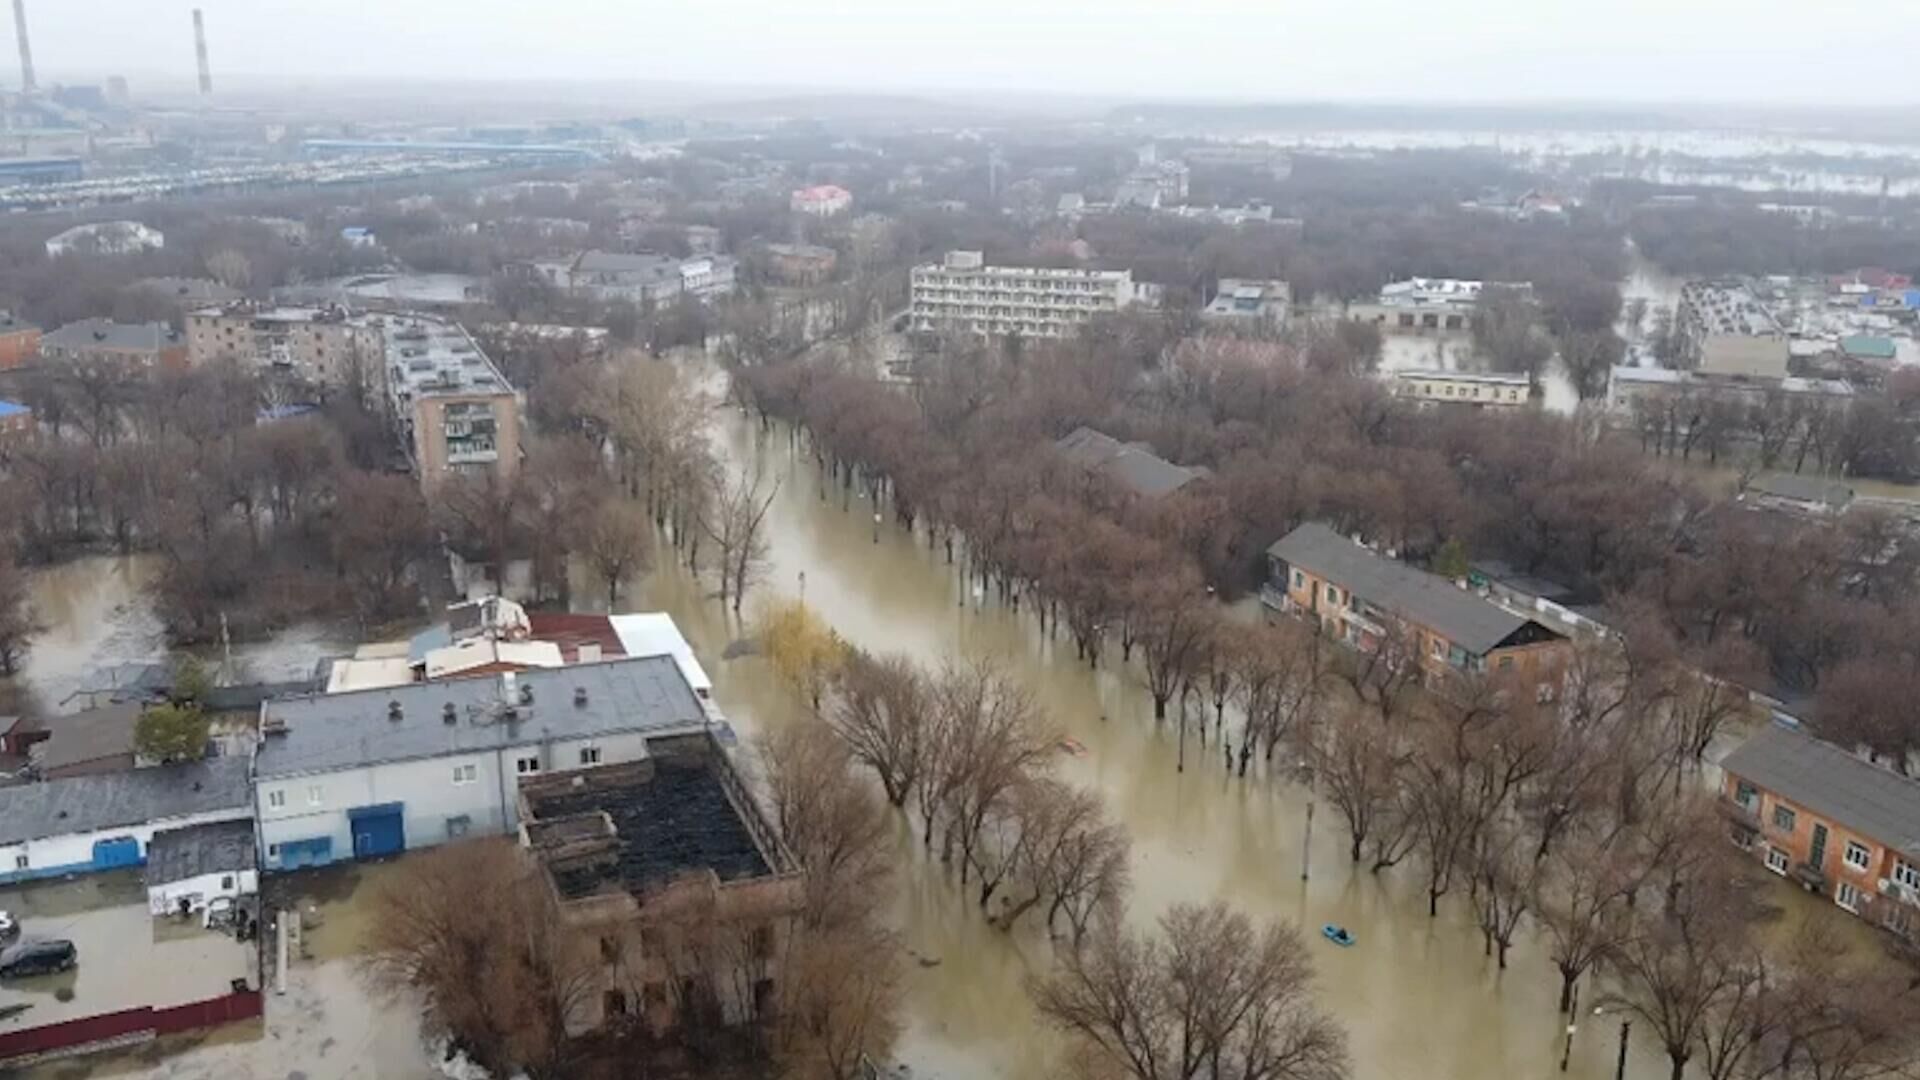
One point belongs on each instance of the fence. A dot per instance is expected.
(68, 1034)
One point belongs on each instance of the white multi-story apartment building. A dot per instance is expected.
(963, 293)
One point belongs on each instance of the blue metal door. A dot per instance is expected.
(115, 853)
(378, 830)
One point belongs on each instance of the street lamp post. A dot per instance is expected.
(1306, 841)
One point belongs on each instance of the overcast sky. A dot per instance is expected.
(1772, 52)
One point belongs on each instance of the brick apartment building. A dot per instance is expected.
(1834, 823)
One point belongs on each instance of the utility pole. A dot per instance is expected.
(26, 50)
(1306, 842)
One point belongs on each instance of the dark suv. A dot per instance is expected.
(37, 958)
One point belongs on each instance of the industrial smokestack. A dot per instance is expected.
(26, 50)
(199, 48)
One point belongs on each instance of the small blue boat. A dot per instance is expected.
(1337, 934)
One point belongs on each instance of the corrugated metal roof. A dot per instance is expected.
(326, 733)
(1464, 618)
(1854, 794)
(83, 804)
(180, 854)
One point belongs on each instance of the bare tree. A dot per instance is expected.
(881, 706)
(994, 744)
(1360, 763)
(18, 622)
(735, 514)
(1206, 996)
(618, 543)
(469, 926)
(831, 821)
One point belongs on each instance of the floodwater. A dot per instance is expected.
(1418, 998)
(1454, 352)
(97, 615)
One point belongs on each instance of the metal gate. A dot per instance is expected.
(116, 852)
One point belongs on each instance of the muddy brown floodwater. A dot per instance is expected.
(1418, 998)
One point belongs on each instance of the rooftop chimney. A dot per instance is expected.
(589, 652)
(199, 48)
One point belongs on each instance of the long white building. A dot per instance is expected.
(374, 772)
(963, 293)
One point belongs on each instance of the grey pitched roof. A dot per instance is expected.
(645, 264)
(1854, 794)
(179, 854)
(329, 732)
(110, 800)
(1464, 618)
(1132, 465)
(107, 334)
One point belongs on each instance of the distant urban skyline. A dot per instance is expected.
(1761, 52)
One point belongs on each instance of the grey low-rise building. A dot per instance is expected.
(108, 821)
(374, 772)
(1133, 467)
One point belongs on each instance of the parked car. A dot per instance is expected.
(37, 958)
(9, 926)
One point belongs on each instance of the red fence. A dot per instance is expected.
(239, 1005)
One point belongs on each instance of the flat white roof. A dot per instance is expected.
(655, 634)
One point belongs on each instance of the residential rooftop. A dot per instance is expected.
(82, 804)
(326, 732)
(1727, 307)
(1488, 378)
(1133, 466)
(105, 334)
(1846, 790)
(428, 357)
(1443, 292)
(1468, 620)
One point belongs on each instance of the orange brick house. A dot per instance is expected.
(1364, 598)
(1834, 823)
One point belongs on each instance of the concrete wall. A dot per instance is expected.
(1742, 354)
(73, 852)
(165, 899)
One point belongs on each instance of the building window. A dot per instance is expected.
(273, 851)
(1439, 649)
(1747, 795)
(1299, 580)
(458, 825)
(1333, 596)
(609, 949)
(1847, 896)
(762, 942)
(1506, 663)
(1783, 818)
(1905, 873)
(589, 755)
(526, 765)
(276, 799)
(466, 774)
(313, 794)
(19, 862)
(1858, 856)
(615, 1003)
(226, 882)
(1777, 861)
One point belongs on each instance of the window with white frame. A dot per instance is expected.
(1906, 873)
(276, 799)
(526, 765)
(466, 774)
(1439, 649)
(1299, 580)
(1847, 896)
(313, 794)
(1858, 855)
(1777, 861)
(589, 755)
(1783, 818)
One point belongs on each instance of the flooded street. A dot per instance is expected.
(1418, 998)
(1416, 995)
(97, 615)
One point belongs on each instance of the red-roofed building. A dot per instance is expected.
(823, 200)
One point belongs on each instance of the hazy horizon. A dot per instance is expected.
(1761, 54)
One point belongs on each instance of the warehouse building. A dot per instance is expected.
(378, 771)
(108, 821)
